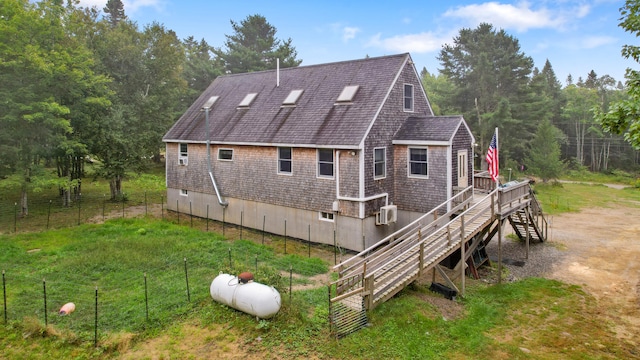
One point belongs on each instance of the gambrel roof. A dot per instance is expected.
(435, 130)
(316, 119)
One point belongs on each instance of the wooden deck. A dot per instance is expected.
(378, 273)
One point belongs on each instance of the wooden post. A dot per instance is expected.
(500, 251)
(526, 228)
(421, 260)
(463, 260)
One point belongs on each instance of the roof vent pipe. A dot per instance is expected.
(277, 72)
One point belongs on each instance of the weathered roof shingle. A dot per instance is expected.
(315, 120)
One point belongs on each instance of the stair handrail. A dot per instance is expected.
(390, 238)
(373, 272)
(539, 214)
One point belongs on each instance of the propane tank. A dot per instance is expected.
(251, 297)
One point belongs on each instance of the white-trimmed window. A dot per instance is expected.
(183, 154)
(418, 162)
(379, 163)
(325, 163)
(326, 216)
(225, 154)
(284, 160)
(408, 97)
(184, 192)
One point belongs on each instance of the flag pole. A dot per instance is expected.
(497, 157)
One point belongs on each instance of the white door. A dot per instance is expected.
(463, 169)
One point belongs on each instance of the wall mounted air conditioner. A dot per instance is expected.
(183, 161)
(387, 215)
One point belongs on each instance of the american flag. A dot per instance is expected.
(492, 158)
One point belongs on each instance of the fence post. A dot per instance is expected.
(79, 206)
(146, 297)
(4, 295)
(104, 201)
(145, 203)
(241, 223)
(285, 237)
(48, 214)
(290, 281)
(264, 218)
(15, 217)
(162, 206)
(207, 217)
(335, 250)
(178, 210)
(95, 331)
(123, 205)
(44, 290)
(309, 240)
(186, 276)
(230, 259)
(224, 213)
(256, 263)
(191, 213)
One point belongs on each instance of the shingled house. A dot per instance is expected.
(347, 150)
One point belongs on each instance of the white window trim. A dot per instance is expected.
(409, 174)
(290, 173)
(321, 216)
(333, 156)
(384, 152)
(186, 153)
(232, 154)
(184, 192)
(413, 98)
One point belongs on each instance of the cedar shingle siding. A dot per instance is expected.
(375, 118)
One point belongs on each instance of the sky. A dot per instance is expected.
(576, 36)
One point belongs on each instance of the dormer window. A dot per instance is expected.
(292, 98)
(248, 99)
(347, 94)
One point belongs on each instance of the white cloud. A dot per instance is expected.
(130, 6)
(592, 42)
(349, 33)
(520, 16)
(415, 43)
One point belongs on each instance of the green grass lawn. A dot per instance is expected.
(526, 319)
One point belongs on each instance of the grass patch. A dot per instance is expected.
(557, 198)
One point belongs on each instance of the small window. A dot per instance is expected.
(292, 97)
(184, 192)
(326, 216)
(225, 154)
(347, 93)
(325, 163)
(379, 163)
(183, 150)
(248, 99)
(418, 165)
(284, 160)
(408, 97)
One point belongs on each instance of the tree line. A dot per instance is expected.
(80, 84)
(544, 126)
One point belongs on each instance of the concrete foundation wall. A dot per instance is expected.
(349, 231)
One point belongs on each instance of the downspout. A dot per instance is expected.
(359, 199)
(222, 202)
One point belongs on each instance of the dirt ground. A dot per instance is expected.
(602, 254)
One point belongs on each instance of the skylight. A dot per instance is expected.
(248, 100)
(348, 93)
(292, 97)
(210, 102)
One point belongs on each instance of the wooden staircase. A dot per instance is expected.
(378, 273)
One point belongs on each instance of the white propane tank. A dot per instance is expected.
(253, 298)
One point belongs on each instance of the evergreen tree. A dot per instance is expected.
(115, 12)
(254, 47)
(543, 159)
(201, 67)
